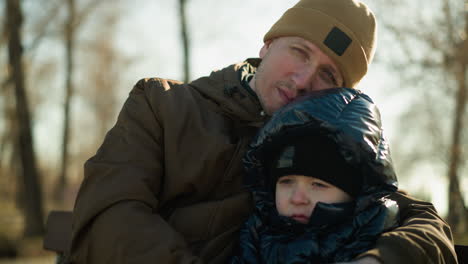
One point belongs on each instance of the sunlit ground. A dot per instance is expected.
(28, 250)
(30, 260)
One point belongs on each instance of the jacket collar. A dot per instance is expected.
(224, 87)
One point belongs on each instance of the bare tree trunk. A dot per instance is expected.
(8, 114)
(185, 39)
(457, 214)
(69, 50)
(31, 186)
(9, 157)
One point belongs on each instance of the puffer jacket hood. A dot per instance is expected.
(335, 232)
(345, 116)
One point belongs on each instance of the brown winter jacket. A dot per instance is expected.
(166, 184)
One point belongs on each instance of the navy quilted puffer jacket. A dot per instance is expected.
(335, 232)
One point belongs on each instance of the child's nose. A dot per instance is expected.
(299, 196)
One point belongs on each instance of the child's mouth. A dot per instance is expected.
(300, 218)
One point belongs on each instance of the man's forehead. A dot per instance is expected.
(293, 39)
(312, 47)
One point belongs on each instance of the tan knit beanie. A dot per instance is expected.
(344, 29)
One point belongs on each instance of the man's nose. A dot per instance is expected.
(302, 79)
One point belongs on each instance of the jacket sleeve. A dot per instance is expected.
(423, 236)
(116, 219)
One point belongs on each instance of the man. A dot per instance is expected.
(166, 184)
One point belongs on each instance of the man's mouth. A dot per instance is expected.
(286, 95)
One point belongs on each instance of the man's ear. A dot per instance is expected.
(265, 48)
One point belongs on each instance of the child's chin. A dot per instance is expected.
(302, 220)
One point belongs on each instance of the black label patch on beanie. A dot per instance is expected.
(337, 41)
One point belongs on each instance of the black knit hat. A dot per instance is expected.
(317, 156)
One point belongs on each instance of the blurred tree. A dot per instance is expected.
(100, 83)
(32, 202)
(185, 39)
(42, 24)
(102, 77)
(69, 36)
(7, 110)
(431, 55)
(74, 20)
(39, 29)
(8, 144)
(54, 23)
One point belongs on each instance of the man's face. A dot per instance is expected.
(292, 67)
(297, 195)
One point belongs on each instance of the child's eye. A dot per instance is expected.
(284, 181)
(319, 185)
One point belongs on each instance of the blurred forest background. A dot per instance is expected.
(66, 67)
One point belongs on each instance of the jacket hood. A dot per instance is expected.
(337, 232)
(347, 118)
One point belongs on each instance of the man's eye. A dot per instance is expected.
(329, 77)
(301, 52)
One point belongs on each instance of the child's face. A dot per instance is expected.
(296, 196)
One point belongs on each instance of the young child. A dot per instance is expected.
(319, 171)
